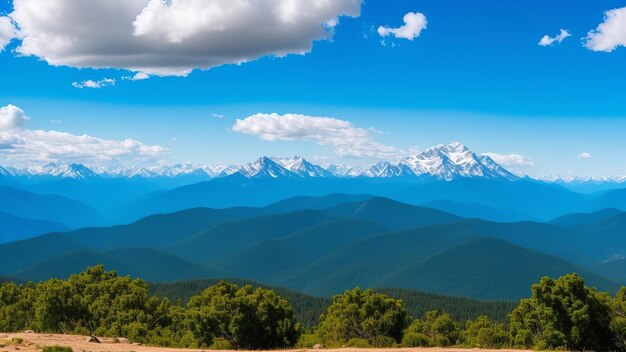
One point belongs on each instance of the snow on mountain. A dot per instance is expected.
(443, 162)
(301, 167)
(75, 171)
(265, 167)
(578, 180)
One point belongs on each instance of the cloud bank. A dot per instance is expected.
(22, 146)
(347, 139)
(172, 37)
(609, 34)
(414, 23)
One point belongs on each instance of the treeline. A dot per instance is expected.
(562, 314)
(309, 308)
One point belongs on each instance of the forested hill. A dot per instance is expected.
(308, 308)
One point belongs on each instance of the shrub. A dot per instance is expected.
(358, 343)
(362, 315)
(57, 349)
(415, 339)
(308, 341)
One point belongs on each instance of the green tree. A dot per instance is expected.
(245, 317)
(618, 323)
(362, 315)
(563, 313)
(484, 333)
(435, 330)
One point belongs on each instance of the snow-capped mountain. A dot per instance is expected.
(73, 171)
(583, 179)
(442, 162)
(265, 167)
(301, 167)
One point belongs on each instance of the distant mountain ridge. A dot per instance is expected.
(442, 162)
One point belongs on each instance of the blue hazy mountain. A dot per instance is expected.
(368, 242)
(15, 228)
(50, 207)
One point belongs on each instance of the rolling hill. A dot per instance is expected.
(14, 228)
(50, 207)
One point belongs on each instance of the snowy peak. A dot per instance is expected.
(265, 167)
(74, 171)
(301, 167)
(441, 162)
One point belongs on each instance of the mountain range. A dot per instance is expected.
(324, 245)
(444, 162)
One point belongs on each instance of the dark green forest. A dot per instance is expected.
(561, 314)
(309, 308)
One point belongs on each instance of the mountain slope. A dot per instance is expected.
(231, 236)
(147, 264)
(269, 260)
(55, 208)
(14, 228)
(474, 269)
(391, 214)
(579, 219)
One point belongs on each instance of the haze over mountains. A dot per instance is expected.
(447, 221)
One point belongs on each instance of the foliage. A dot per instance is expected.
(618, 324)
(563, 313)
(484, 333)
(363, 315)
(434, 330)
(57, 349)
(247, 318)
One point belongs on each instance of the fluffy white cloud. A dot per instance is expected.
(22, 146)
(414, 23)
(546, 40)
(12, 117)
(172, 37)
(8, 32)
(346, 139)
(584, 155)
(610, 34)
(511, 160)
(94, 84)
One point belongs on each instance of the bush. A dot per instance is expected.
(383, 342)
(247, 318)
(308, 341)
(483, 333)
(358, 343)
(17, 340)
(57, 349)
(362, 315)
(434, 330)
(415, 339)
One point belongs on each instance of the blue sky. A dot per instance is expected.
(475, 74)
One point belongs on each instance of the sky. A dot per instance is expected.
(539, 85)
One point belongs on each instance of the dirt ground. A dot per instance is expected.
(35, 342)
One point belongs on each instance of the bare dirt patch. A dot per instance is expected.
(35, 342)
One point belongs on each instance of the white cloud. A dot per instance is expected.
(609, 34)
(58, 122)
(218, 116)
(12, 117)
(343, 136)
(584, 155)
(546, 40)
(511, 160)
(173, 37)
(23, 146)
(106, 82)
(8, 32)
(414, 23)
